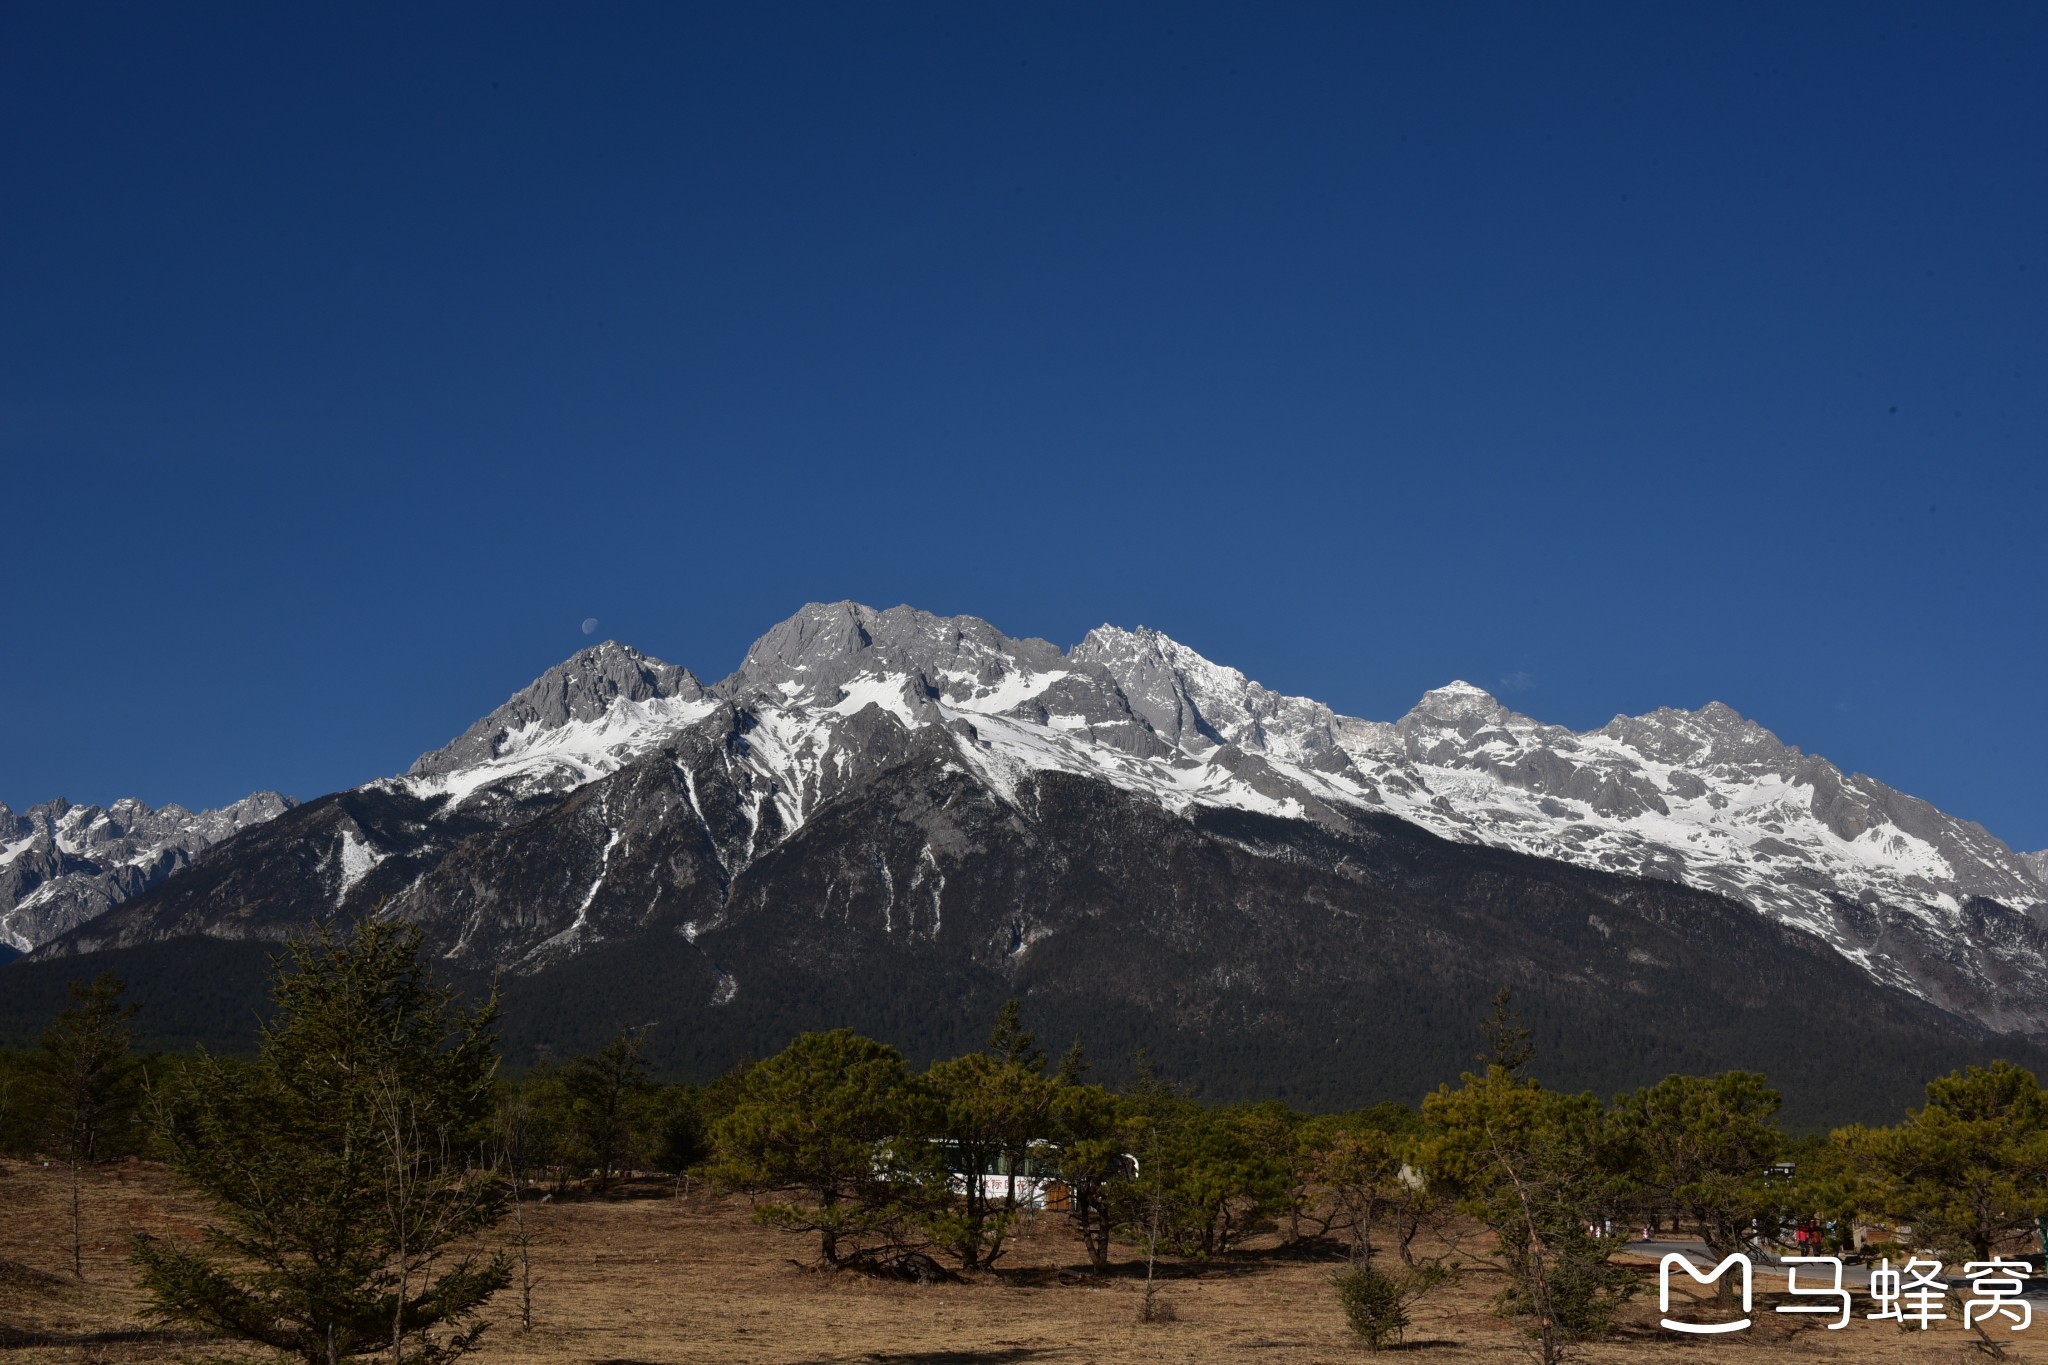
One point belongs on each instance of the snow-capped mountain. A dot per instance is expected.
(839, 693)
(1704, 797)
(575, 722)
(61, 865)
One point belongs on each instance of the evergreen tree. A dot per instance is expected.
(1966, 1170)
(1347, 1178)
(1206, 1176)
(671, 1132)
(1540, 1171)
(604, 1093)
(343, 1165)
(1093, 1142)
(1009, 1042)
(86, 1085)
(549, 1142)
(993, 1111)
(1703, 1145)
(833, 1126)
(1356, 1172)
(1376, 1301)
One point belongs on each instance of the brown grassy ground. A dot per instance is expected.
(660, 1279)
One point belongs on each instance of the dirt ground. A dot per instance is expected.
(661, 1279)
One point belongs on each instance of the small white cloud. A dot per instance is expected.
(1517, 681)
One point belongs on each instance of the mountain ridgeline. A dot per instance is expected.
(895, 821)
(63, 864)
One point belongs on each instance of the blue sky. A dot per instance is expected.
(1608, 357)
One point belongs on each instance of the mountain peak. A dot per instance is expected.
(1717, 732)
(825, 645)
(1198, 705)
(582, 687)
(1459, 702)
(1107, 642)
(1719, 715)
(62, 864)
(819, 632)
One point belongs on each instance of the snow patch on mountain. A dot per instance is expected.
(358, 857)
(535, 758)
(581, 720)
(1704, 797)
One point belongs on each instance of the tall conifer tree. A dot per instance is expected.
(343, 1165)
(87, 1084)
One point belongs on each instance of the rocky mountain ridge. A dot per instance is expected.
(838, 694)
(63, 864)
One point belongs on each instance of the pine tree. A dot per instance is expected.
(342, 1165)
(1538, 1169)
(87, 1084)
(993, 1111)
(1093, 1142)
(1010, 1042)
(834, 1126)
(604, 1091)
(1703, 1145)
(1966, 1170)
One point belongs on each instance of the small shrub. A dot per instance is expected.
(1376, 1301)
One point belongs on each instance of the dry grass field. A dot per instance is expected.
(661, 1279)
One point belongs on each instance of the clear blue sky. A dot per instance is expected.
(351, 356)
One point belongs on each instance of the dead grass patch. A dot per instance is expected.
(657, 1281)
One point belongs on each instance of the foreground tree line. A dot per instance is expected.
(368, 1169)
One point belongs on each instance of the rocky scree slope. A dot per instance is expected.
(619, 798)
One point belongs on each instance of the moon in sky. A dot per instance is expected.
(590, 625)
